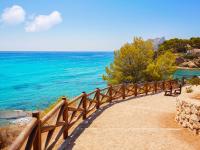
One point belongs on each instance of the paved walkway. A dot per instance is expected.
(144, 123)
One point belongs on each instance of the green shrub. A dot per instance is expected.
(189, 89)
(189, 56)
(194, 81)
(50, 107)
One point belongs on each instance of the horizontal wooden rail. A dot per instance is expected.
(88, 94)
(75, 99)
(104, 89)
(66, 113)
(52, 112)
(18, 143)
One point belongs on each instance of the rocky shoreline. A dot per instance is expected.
(188, 63)
(187, 68)
(17, 117)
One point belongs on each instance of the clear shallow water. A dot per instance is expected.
(33, 80)
(186, 73)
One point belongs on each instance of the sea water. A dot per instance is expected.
(187, 73)
(34, 80)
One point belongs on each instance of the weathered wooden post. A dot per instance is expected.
(163, 85)
(37, 144)
(65, 117)
(180, 88)
(84, 99)
(97, 98)
(123, 91)
(155, 86)
(183, 81)
(135, 89)
(110, 93)
(146, 88)
(177, 80)
(171, 87)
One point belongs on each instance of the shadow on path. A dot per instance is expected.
(69, 143)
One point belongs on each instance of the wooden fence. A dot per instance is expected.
(43, 133)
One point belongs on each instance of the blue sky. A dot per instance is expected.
(93, 24)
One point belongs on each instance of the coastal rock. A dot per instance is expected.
(179, 60)
(185, 64)
(197, 62)
(21, 121)
(18, 117)
(13, 114)
(192, 65)
(188, 63)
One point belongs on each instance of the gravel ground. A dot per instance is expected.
(144, 123)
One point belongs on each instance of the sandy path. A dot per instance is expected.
(145, 123)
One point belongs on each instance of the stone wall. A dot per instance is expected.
(188, 113)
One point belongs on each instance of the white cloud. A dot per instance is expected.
(44, 22)
(13, 15)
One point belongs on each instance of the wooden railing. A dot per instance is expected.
(43, 133)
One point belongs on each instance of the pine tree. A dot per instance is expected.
(136, 61)
(130, 62)
(162, 68)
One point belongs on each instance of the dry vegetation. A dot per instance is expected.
(8, 135)
(189, 89)
(10, 132)
(50, 107)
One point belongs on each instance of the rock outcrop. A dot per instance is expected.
(181, 62)
(189, 64)
(197, 62)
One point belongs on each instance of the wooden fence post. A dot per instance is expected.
(146, 88)
(110, 93)
(155, 86)
(123, 91)
(98, 98)
(84, 98)
(163, 85)
(37, 144)
(170, 82)
(65, 117)
(135, 89)
(183, 81)
(180, 86)
(171, 88)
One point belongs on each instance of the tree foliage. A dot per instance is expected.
(195, 42)
(174, 45)
(179, 45)
(194, 81)
(135, 62)
(162, 68)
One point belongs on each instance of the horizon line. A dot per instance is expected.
(57, 51)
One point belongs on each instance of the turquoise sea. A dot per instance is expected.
(186, 73)
(33, 80)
